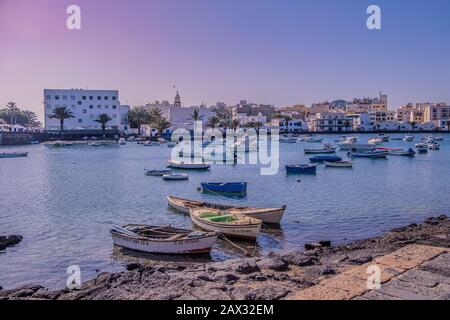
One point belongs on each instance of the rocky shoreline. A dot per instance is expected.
(276, 276)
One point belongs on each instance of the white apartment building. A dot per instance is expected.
(85, 105)
(368, 104)
(331, 122)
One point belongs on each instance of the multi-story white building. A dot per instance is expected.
(85, 105)
(331, 122)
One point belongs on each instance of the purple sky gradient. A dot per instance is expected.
(278, 52)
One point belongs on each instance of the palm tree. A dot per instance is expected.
(61, 113)
(196, 115)
(103, 118)
(225, 115)
(213, 121)
(413, 125)
(235, 124)
(138, 116)
(155, 113)
(161, 124)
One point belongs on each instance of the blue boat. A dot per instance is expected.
(325, 158)
(301, 168)
(225, 187)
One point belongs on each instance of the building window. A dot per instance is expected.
(99, 106)
(79, 103)
(114, 107)
(84, 110)
(56, 97)
(64, 97)
(106, 106)
(47, 97)
(106, 97)
(91, 107)
(114, 97)
(72, 97)
(84, 98)
(49, 106)
(99, 98)
(80, 120)
(91, 98)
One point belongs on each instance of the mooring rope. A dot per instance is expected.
(246, 252)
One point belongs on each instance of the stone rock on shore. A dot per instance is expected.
(6, 241)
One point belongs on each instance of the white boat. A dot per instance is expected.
(421, 147)
(375, 140)
(188, 166)
(433, 146)
(401, 152)
(369, 154)
(171, 144)
(327, 148)
(122, 141)
(383, 137)
(162, 240)
(13, 154)
(175, 176)
(34, 142)
(438, 138)
(266, 215)
(158, 173)
(230, 224)
(313, 140)
(94, 144)
(339, 164)
(151, 144)
(408, 138)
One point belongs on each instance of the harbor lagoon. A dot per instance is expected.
(64, 202)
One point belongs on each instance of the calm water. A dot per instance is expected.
(63, 202)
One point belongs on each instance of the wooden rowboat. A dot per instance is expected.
(166, 239)
(188, 166)
(266, 215)
(233, 225)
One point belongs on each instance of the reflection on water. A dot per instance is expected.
(63, 201)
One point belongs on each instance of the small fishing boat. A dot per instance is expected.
(383, 137)
(438, 138)
(396, 138)
(339, 164)
(421, 147)
(327, 148)
(301, 168)
(313, 140)
(151, 144)
(402, 152)
(234, 225)
(408, 138)
(325, 158)
(266, 215)
(188, 166)
(162, 239)
(13, 154)
(175, 176)
(122, 141)
(433, 146)
(225, 187)
(34, 142)
(288, 140)
(369, 154)
(158, 173)
(375, 141)
(94, 144)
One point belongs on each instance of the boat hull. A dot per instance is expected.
(319, 151)
(356, 146)
(248, 232)
(325, 158)
(189, 166)
(240, 187)
(300, 169)
(13, 154)
(184, 246)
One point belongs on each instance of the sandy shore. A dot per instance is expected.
(276, 276)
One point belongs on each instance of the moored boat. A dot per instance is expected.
(369, 154)
(339, 164)
(433, 146)
(225, 187)
(159, 173)
(151, 144)
(325, 158)
(301, 168)
(162, 239)
(408, 138)
(327, 148)
(408, 153)
(188, 166)
(313, 140)
(266, 215)
(421, 147)
(234, 225)
(288, 140)
(13, 154)
(375, 140)
(357, 146)
(175, 176)
(122, 142)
